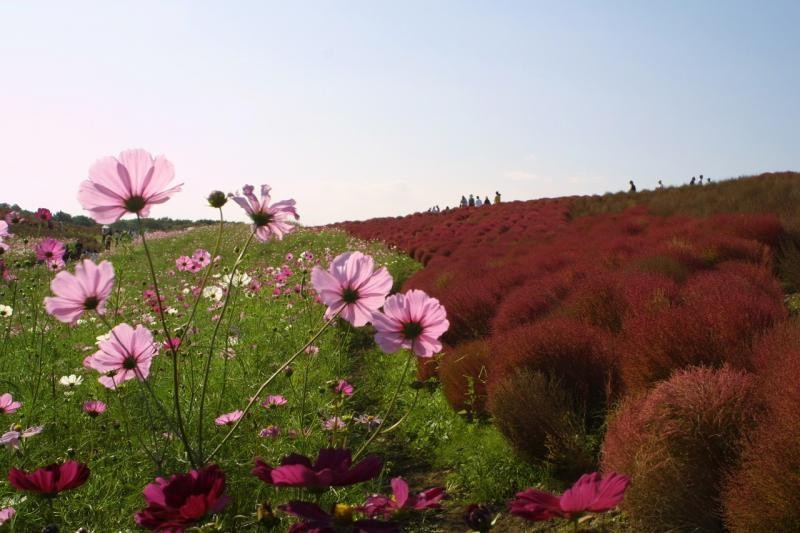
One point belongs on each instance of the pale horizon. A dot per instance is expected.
(359, 109)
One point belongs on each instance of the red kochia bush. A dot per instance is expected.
(677, 443)
(575, 354)
(719, 315)
(463, 374)
(597, 300)
(531, 301)
(763, 495)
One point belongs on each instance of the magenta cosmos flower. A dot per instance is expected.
(412, 320)
(182, 500)
(50, 250)
(268, 220)
(333, 468)
(126, 354)
(316, 520)
(51, 479)
(131, 184)
(44, 214)
(86, 290)
(8, 405)
(401, 500)
(94, 408)
(228, 419)
(591, 493)
(352, 286)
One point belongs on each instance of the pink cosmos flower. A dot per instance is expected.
(125, 355)
(8, 405)
(270, 431)
(268, 220)
(333, 424)
(6, 514)
(312, 349)
(13, 217)
(413, 320)
(379, 505)
(177, 503)
(131, 184)
(352, 286)
(344, 388)
(44, 214)
(333, 468)
(86, 290)
(591, 493)
(183, 263)
(202, 257)
(4, 229)
(317, 520)
(94, 408)
(228, 419)
(50, 250)
(274, 400)
(11, 439)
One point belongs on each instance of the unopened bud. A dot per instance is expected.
(217, 199)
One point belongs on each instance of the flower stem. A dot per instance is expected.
(175, 383)
(388, 409)
(261, 388)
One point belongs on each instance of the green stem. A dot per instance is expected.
(388, 409)
(175, 383)
(261, 388)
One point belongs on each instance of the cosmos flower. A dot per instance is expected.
(132, 183)
(382, 506)
(317, 520)
(412, 320)
(51, 479)
(126, 355)
(268, 220)
(202, 257)
(343, 387)
(94, 408)
(270, 431)
(10, 439)
(50, 249)
(6, 311)
(333, 468)
(228, 419)
(7, 514)
(591, 493)
(13, 217)
(71, 381)
(8, 405)
(44, 214)
(274, 400)
(87, 290)
(352, 286)
(177, 503)
(333, 424)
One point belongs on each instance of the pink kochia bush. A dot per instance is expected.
(412, 320)
(592, 493)
(333, 468)
(268, 220)
(125, 355)
(352, 287)
(86, 290)
(182, 500)
(50, 480)
(132, 183)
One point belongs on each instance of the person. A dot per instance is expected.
(478, 201)
(496, 197)
(701, 179)
(633, 186)
(463, 201)
(660, 185)
(692, 182)
(486, 201)
(471, 202)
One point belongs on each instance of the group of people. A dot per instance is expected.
(475, 201)
(694, 181)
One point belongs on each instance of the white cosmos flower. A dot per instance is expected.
(71, 381)
(239, 280)
(6, 311)
(213, 292)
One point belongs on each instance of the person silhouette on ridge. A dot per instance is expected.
(496, 197)
(478, 202)
(471, 200)
(463, 201)
(486, 201)
(633, 186)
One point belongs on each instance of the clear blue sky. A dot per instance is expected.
(362, 109)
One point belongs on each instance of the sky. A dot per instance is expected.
(364, 109)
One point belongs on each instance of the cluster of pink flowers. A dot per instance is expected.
(198, 260)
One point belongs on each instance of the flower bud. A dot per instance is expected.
(217, 199)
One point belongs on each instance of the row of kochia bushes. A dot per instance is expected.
(658, 347)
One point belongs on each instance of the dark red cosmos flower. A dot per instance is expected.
(51, 479)
(401, 499)
(178, 502)
(333, 468)
(44, 214)
(591, 493)
(316, 520)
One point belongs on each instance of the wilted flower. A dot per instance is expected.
(52, 479)
(369, 420)
(182, 500)
(413, 320)
(131, 184)
(333, 468)
(591, 493)
(352, 287)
